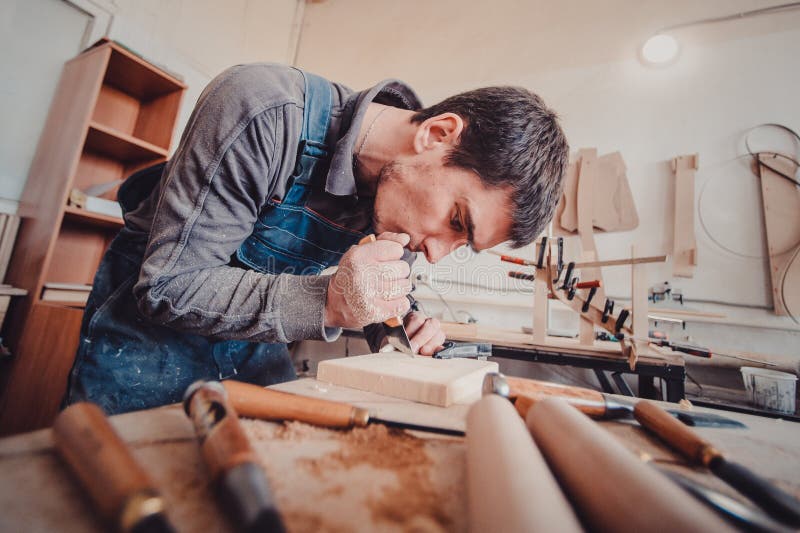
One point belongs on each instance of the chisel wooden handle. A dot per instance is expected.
(526, 392)
(119, 487)
(674, 433)
(252, 401)
(610, 487)
(239, 479)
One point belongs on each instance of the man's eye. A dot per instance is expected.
(456, 223)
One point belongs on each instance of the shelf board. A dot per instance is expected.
(133, 74)
(82, 215)
(65, 305)
(121, 146)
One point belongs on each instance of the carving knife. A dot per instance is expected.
(779, 504)
(253, 401)
(526, 392)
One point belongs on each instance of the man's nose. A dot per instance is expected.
(436, 249)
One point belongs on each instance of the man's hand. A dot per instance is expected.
(370, 284)
(425, 333)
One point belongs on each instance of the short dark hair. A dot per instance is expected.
(511, 139)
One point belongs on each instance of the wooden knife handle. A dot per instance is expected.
(119, 487)
(252, 401)
(525, 401)
(591, 402)
(674, 433)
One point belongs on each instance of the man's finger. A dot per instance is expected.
(395, 307)
(413, 322)
(390, 290)
(426, 332)
(400, 238)
(430, 347)
(394, 270)
(383, 250)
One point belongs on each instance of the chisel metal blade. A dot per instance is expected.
(397, 336)
(417, 427)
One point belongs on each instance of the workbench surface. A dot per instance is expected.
(324, 480)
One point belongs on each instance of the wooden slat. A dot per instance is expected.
(781, 200)
(49, 342)
(684, 257)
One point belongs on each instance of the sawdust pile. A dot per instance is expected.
(413, 503)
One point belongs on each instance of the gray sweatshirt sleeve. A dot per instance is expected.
(212, 190)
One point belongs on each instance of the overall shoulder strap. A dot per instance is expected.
(312, 152)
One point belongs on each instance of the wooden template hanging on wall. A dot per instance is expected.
(684, 250)
(612, 205)
(781, 200)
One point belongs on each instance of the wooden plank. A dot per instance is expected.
(620, 262)
(639, 322)
(586, 191)
(614, 208)
(439, 382)
(565, 221)
(541, 292)
(37, 381)
(781, 200)
(684, 250)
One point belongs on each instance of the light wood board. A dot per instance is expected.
(439, 382)
(684, 251)
(782, 221)
(612, 206)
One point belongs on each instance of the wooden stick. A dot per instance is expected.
(620, 262)
(510, 487)
(611, 488)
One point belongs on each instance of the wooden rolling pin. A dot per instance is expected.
(510, 488)
(612, 489)
(118, 486)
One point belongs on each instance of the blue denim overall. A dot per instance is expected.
(126, 363)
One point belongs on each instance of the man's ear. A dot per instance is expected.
(440, 131)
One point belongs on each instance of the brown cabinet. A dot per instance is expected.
(113, 113)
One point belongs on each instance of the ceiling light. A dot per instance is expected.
(660, 49)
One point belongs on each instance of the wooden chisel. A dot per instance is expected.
(119, 487)
(238, 478)
(773, 500)
(253, 401)
(526, 392)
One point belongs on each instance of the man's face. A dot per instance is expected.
(440, 207)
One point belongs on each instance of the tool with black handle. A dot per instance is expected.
(700, 351)
(120, 489)
(773, 500)
(525, 393)
(240, 482)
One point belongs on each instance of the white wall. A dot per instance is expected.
(582, 58)
(195, 39)
(49, 32)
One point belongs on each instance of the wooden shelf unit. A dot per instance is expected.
(113, 113)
